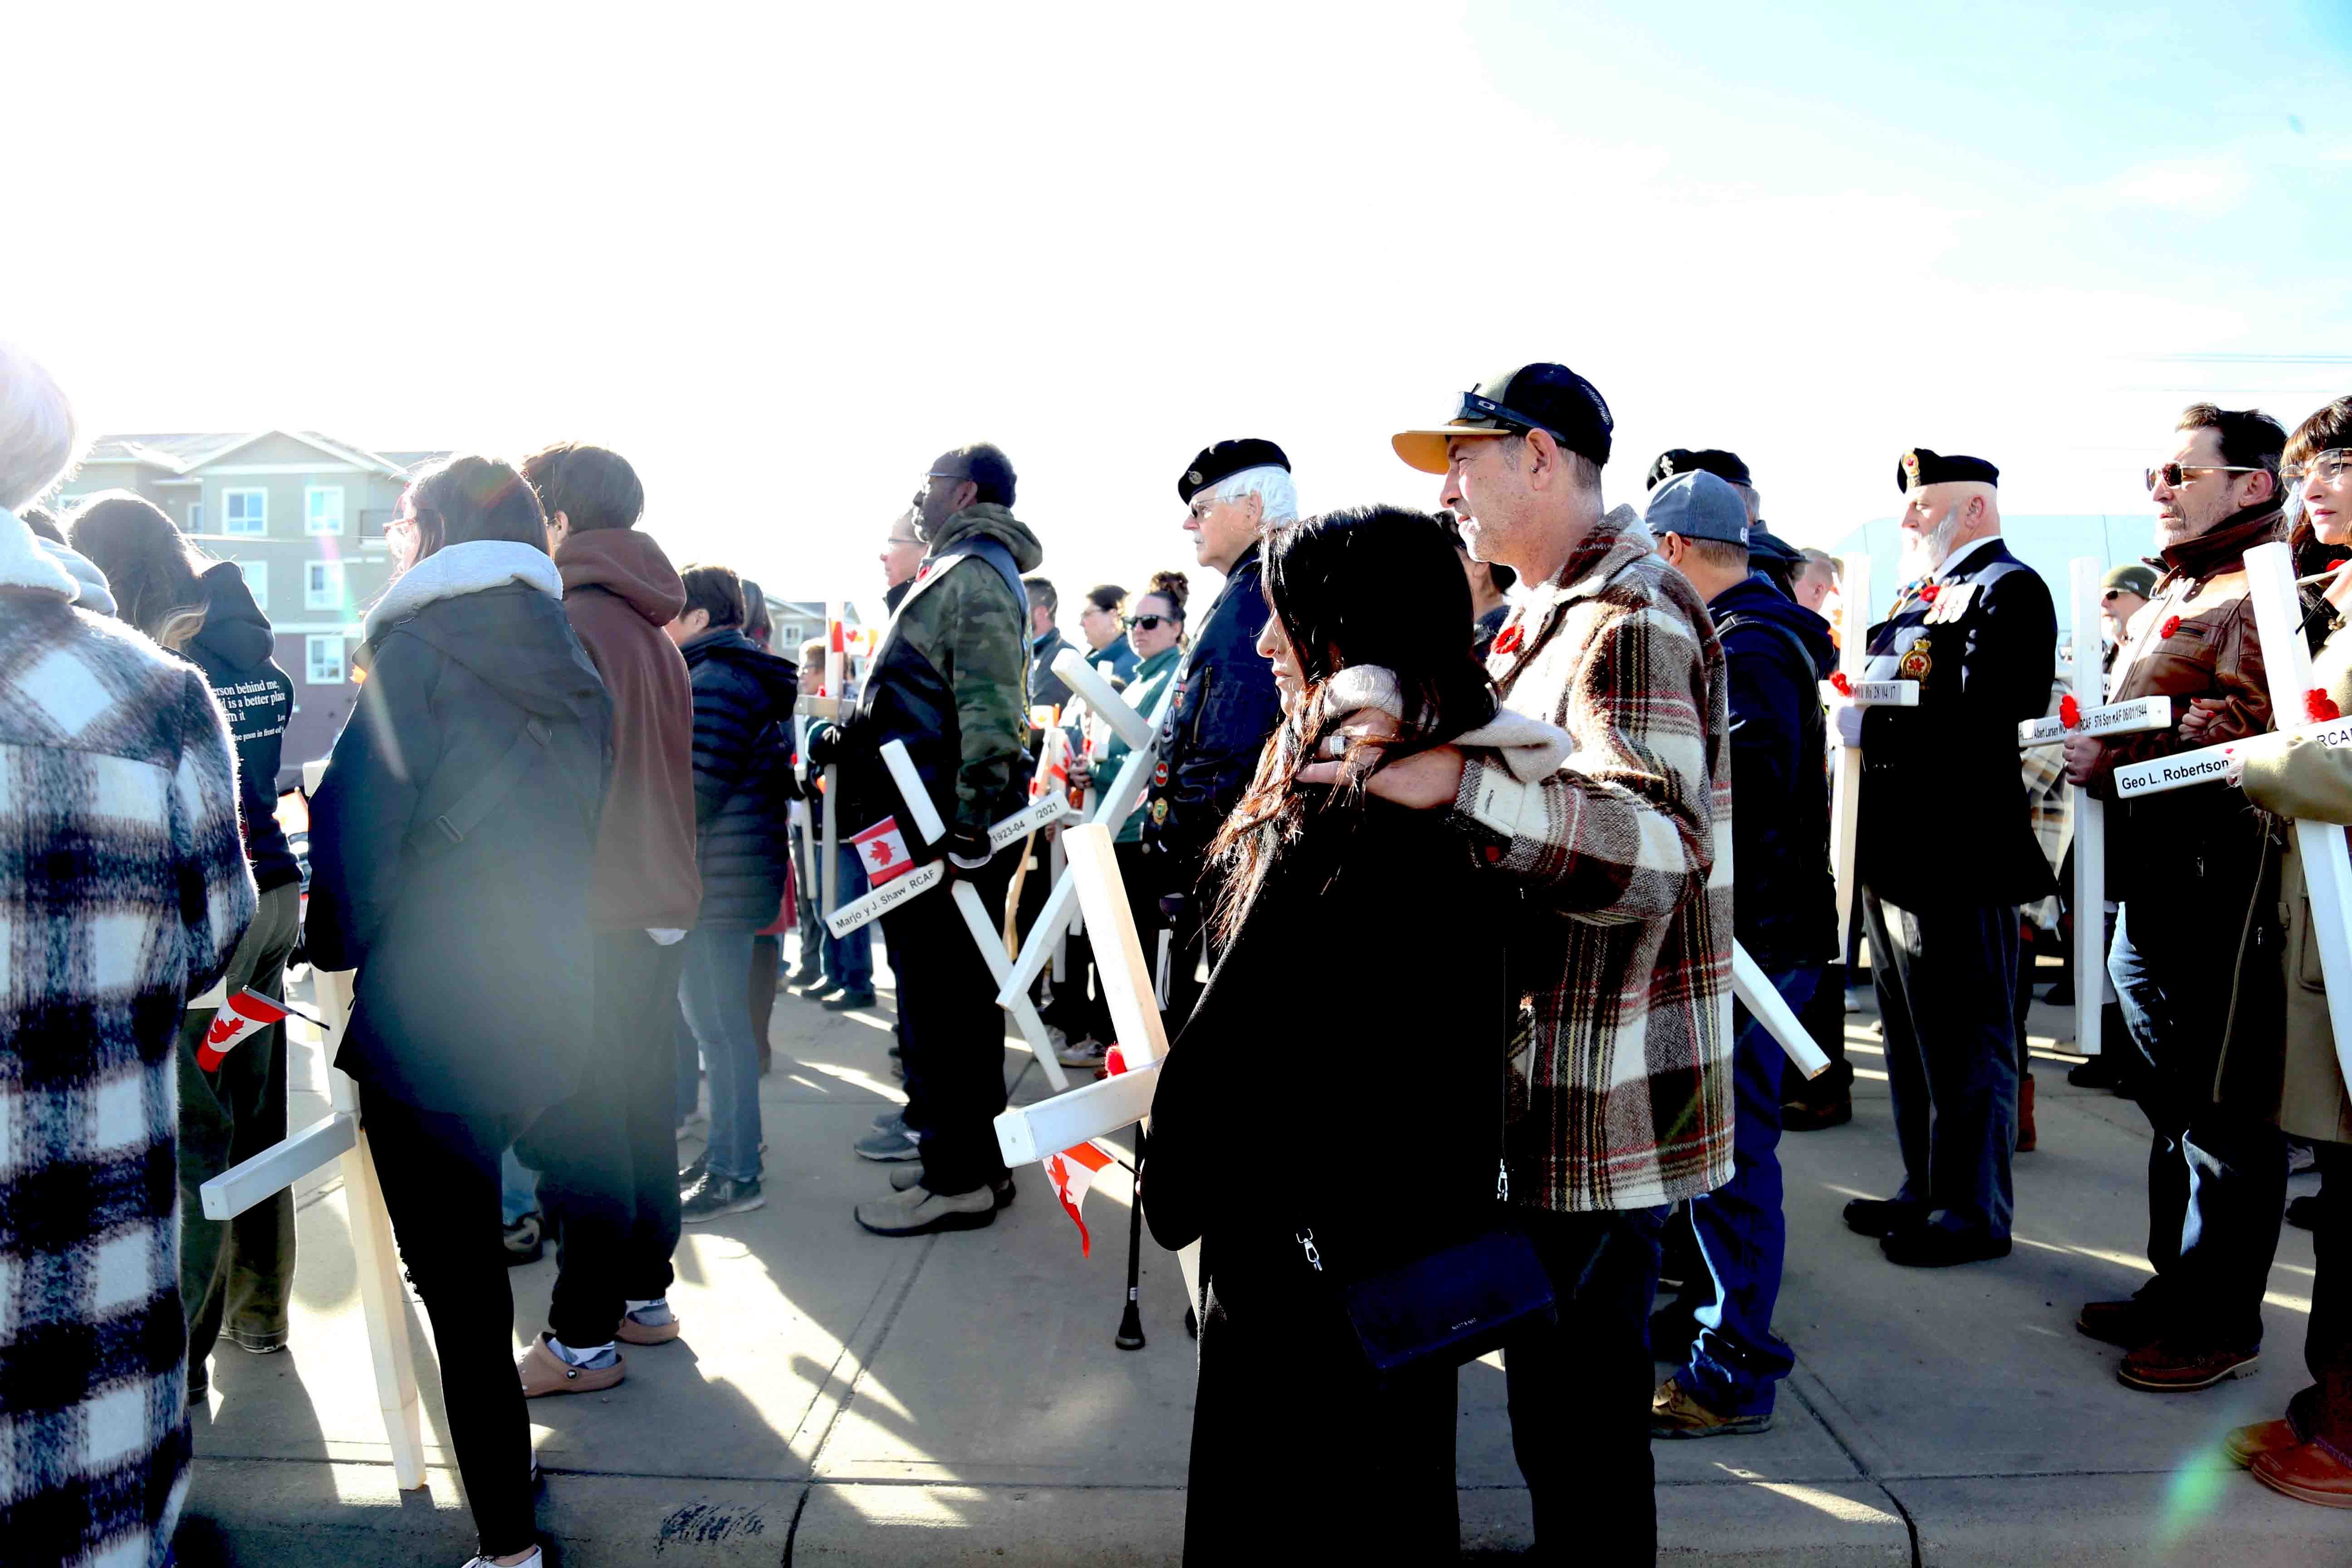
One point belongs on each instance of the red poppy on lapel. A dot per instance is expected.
(1507, 639)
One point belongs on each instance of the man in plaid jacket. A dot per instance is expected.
(1624, 949)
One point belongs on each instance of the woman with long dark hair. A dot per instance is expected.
(236, 1276)
(451, 845)
(1380, 1130)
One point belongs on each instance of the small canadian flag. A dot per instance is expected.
(247, 1012)
(883, 850)
(1073, 1172)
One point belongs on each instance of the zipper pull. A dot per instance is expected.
(1307, 1245)
(1502, 1181)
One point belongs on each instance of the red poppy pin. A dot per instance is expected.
(2319, 708)
(1507, 639)
(1928, 593)
(2070, 712)
(1844, 683)
(2168, 627)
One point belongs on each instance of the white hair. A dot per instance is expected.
(1278, 500)
(39, 440)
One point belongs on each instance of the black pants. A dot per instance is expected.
(607, 1157)
(1296, 1455)
(951, 1030)
(2325, 1409)
(1579, 1390)
(440, 1178)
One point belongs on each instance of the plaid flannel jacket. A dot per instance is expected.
(2051, 801)
(1622, 945)
(123, 891)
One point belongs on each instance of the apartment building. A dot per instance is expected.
(301, 514)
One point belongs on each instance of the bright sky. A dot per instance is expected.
(782, 257)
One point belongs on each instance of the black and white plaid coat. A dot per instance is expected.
(123, 891)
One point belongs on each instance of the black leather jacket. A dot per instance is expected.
(1225, 707)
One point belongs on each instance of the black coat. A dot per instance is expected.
(1944, 817)
(234, 649)
(1383, 1120)
(743, 700)
(1776, 653)
(474, 961)
(1225, 707)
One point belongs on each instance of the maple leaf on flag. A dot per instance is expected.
(882, 849)
(1072, 1172)
(246, 1012)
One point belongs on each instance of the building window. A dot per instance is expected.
(326, 660)
(245, 511)
(256, 579)
(323, 587)
(322, 509)
(195, 517)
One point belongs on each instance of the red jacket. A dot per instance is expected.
(619, 592)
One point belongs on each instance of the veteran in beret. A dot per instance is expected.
(1226, 704)
(1945, 853)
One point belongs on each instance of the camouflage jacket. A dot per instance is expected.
(951, 680)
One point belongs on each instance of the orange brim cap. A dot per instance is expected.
(1425, 449)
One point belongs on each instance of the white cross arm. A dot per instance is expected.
(825, 707)
(1845, 793)
(1770, 1008)
(279, 1166)
(1873, 693)
(1027, 1134)
(2210, 764)
(1117, 711)
(2115, 719)
(1041, 812)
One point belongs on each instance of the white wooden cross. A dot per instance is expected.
(2327, 862)
(341, 1137)
(830, 707)
(1845, 789)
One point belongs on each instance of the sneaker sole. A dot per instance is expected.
(1747, 1426)
(893, 1158)
(2246, 1368)
(743, 1207)
(974, 1221)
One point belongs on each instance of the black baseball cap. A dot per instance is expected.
(1542, 396)
(1723, 465)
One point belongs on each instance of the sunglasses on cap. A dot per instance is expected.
(2326, 467)
(1149, 623)
(1476, 409)
(2173, 474)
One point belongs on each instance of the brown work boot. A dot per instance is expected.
(544, 1372)
(1674, 1414)
(2025, 1136)
(2166, 1367)
(2244, 1445)
(2307, 1472)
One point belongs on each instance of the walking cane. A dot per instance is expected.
(1130, 1323)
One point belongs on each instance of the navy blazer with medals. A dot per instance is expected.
(1944, 817)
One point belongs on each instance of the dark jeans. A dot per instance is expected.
(2216, 1176)
(607, 1157)
(1944, 979)
(711, 989)
(440, 1178)
(1737, 1359)
(1579, 1390)
(2323, 1411)
(951, 1030)
(848, 959)
(240, 1270)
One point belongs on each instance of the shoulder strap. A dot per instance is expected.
(997, 556)
(1788, 639)
(451, 826)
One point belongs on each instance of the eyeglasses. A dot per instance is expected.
(2326, 467)
(1149, 623)
(2173, 474)
(894, 539)
(1474, 406)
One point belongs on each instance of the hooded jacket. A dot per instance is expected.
(619, 592)
(950, 679)
(743, 698)
(474, 986)
(1776, 653)
(234, 649)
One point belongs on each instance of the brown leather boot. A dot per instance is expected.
(2025, 1139)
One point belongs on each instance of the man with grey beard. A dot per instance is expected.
(1945, 855)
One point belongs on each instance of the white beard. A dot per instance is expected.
(1929, 550)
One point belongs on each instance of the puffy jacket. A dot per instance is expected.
(950, 679)
(2212, 652)
(743, 698)
(1776, 653)
(474, 984)
(1227, 705)
(233, 649)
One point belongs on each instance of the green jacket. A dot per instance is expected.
(953, 677)
(1143, 689)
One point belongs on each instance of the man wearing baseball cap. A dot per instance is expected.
(1624, 944)
(1775, 654)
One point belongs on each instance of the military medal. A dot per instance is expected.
(1160, 774)
(1159, 813)
(1916, 663)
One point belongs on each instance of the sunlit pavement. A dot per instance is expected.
(838, 1398)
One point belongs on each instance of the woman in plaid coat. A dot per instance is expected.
(123, 891)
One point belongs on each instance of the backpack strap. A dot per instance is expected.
(450, 827)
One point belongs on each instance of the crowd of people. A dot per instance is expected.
(1486, 851)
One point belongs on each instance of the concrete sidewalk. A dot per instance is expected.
(840, 1399)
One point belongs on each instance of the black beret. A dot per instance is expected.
(1763, 544)
(1921, 466)
(1214, 465)
(1725, 466)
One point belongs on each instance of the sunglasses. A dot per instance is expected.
(1149, 623)
(2326, 467)
(1475, 408)
(2173, 474)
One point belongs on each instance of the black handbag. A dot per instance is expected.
(1450, 1305)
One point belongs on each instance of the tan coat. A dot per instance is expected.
(2280, 992)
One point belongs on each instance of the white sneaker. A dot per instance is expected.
(533, 1561)
(1085, 1054)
